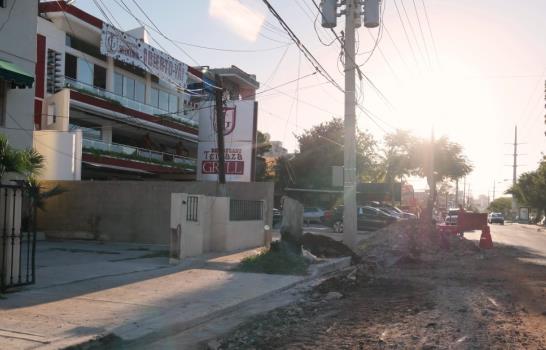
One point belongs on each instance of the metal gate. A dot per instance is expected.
(18, 236)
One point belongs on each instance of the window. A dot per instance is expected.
(84, 47)
(84, 71)
(99, 77)
(128, 87)
(140, 91)
(2, 102)
(118, 84)
(173, 103)
(163, 100)
(154, 97)
(70, 66)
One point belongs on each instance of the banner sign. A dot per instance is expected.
(126, 48)
(239, 133)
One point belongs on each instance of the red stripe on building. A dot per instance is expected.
(38, 114)
(61, 6)
(40, 65)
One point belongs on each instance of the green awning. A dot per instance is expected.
(15, 75)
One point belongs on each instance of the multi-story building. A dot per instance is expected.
(17, 65)
(101, 116)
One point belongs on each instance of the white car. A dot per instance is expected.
(312, 215)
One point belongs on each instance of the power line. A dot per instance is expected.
(406, 33)
(411, 28)
(421, 30)
(308, 55)
(430, 31)
(9, 15)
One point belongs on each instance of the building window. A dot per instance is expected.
(154, 97)
(99, 76)
(84, 47)
(118, 84)
(84, 71)
(3, 91)
(70, 66)
(163, 100)
(128, 87)
(173, 103)
(140, 91)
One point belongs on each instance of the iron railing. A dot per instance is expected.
(18, 240)
(192, 208)
(130, 151)
(246, 210)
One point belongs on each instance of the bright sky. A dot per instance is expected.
(483, 73)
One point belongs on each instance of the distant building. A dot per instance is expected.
(17, 69)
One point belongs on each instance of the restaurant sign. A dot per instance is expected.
(128, 49)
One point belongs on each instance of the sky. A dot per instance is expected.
(473, 76)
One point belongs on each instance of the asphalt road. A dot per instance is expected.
(530, 237)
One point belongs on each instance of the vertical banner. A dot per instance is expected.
(239, 139)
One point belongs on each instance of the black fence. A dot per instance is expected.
(245, 210)
(18, 236)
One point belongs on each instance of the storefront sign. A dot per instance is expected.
(239, 131)
(126, 48)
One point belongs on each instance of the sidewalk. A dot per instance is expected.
(87, 290)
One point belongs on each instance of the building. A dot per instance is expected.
(17, 67)
(111, 106)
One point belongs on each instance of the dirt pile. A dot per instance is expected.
(325, 247)
(411, 242)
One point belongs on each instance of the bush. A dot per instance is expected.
(281, 262)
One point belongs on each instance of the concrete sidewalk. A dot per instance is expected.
(87, 290)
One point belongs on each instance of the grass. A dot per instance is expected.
(278, 262)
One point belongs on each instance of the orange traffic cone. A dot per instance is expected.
(486, 242)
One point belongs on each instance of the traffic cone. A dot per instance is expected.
(486, 242)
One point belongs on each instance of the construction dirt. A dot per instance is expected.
(409, 292)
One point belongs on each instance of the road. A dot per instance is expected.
(530, 237)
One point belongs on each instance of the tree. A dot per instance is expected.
(446, 159)
(263, 169)
(530, 189)
(321, 147)
(25, 162)
(500, 205)
(394, 163)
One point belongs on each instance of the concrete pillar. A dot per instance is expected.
(110, 74)
(148, 93)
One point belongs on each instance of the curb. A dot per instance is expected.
(151, 329)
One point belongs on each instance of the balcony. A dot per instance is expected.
(137, 154)
(129, 103)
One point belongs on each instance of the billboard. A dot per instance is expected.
(239, 141)
(126, 48)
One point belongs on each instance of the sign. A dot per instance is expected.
(239, 141)
(126, 48)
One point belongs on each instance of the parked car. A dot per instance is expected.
(312, 215)
(451, 220)
(277, 217)
(495, 218)
(368, 219)
(397, 211)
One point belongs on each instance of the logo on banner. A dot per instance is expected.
(229, 121)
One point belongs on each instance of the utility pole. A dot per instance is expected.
(464, 193)
(494, 183)
(349, 160)
(457, 192)
(219, 99)
(353, 13)
(515, 169)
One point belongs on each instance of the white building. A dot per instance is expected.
(17, 66)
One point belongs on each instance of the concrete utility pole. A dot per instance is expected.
(349, 161)
(219, 100)
(515, 170)
(353, 19)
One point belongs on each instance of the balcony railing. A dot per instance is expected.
(140, 154)
(129, 103)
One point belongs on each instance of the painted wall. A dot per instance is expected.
(62, 152)
(18, 46)
(130, 211)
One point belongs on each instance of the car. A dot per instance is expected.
(312, 215)
(451, 220)
(398, 212)
(495, 218)
(368, 219)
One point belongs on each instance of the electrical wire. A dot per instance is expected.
(412, 30)
(406, 33)
(9, 15)
(422, 33)
(430, 31)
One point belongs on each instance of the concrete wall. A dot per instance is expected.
(18, 46)
(130, 211)
(62, 152)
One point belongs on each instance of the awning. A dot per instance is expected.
(15, 75)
